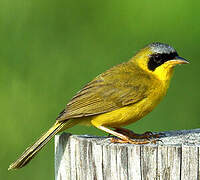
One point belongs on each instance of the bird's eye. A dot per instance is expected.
(158, 59)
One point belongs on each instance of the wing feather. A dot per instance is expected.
(118, 87)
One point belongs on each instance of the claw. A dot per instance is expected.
(147, 135)
(131, 141)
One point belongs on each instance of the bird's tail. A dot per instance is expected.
(31, 151)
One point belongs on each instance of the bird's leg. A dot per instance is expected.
(122, 138)
(131, 134)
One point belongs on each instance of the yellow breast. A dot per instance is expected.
(133, 112)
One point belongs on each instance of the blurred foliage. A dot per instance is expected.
(50, 49)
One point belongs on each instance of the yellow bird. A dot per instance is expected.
(120, 96)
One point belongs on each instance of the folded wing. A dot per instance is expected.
(118, 87)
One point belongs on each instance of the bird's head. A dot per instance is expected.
(158, 59)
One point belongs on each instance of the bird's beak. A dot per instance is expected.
(178, 60)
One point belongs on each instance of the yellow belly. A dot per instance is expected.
(125, 115)
(131, 113)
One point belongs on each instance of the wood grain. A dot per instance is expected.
(175, 157)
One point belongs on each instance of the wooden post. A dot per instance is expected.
(175, 157)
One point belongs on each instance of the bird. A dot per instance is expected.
(119, 96)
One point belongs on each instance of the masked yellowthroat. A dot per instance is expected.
(117, 97)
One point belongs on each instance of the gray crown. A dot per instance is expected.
(161, 48)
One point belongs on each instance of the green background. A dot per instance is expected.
(49, 49)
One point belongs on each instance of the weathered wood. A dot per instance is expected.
(175, 157)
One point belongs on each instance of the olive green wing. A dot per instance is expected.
(116, 88)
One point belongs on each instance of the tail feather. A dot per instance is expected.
(31, 151)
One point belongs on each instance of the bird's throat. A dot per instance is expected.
(164, 73)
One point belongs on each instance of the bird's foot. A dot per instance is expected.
(133, 138)
(133, 135)
(131, 141)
